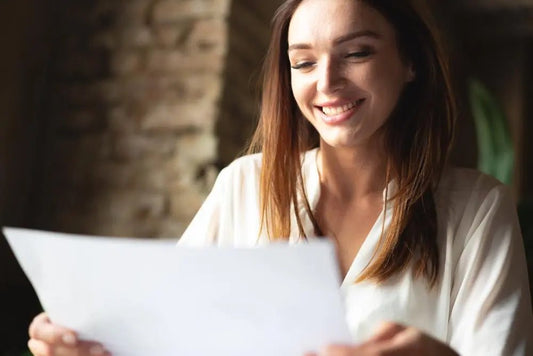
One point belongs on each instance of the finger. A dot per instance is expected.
(38, 320)
(42, 329)
(408, 336)
(407, 342)
(84, 348)
(336, 350)
(39, 348)
(413, 341)
(385, 331)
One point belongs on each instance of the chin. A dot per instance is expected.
(348, 140)
(341, 143)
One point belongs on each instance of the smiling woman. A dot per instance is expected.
(382, 58)
(356, 123)
(347, 74)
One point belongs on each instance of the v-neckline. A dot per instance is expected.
(371, 241)
(366, 251)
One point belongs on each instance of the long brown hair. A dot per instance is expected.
(418, 137)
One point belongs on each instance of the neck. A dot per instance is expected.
(352, 173)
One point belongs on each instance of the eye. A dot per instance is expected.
(359, 54)
(302, 65)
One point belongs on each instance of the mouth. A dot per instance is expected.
(334, 114)
(331, 110)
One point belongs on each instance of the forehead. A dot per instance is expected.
(324, 20)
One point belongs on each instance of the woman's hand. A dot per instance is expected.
(47, 339)
(392, 340)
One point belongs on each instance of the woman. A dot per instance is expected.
(434, 251)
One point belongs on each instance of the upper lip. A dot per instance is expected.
(337, 103)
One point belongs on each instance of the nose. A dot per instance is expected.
(330, 77)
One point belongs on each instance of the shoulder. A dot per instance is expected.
(248, 164)
(464, 180)
(462, 186)
(245, 168)
(469, 202)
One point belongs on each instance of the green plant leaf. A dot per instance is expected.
(495, 146)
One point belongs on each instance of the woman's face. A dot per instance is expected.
(346, 70)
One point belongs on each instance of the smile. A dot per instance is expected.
(337, 110)
(334, 115)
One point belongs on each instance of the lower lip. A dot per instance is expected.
(339, 118)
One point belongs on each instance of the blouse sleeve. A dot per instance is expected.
(490, 311)
(203, 229)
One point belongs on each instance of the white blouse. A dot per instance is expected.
(481, 303)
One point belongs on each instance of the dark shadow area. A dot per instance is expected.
(25, 33)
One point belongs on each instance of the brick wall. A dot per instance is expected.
(134, 92)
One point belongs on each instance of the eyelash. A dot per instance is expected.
(302, 65)
(360, 54)
(356, 55)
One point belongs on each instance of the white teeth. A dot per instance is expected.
(331, 111)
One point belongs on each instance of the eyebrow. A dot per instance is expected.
(339, 40)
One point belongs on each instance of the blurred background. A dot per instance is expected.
(116, 116)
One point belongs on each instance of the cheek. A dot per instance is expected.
(301, 93)
(387, 81)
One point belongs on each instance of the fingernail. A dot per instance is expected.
(96, 350)
(69, 339)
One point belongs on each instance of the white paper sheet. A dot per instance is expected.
(148, 297)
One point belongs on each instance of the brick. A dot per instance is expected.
(121, 119)
(132, 12)
(83, 223)
(119, 213)
(130, 36)
(170, 35)
(129, 205)
(175, 61)
(205, 87)
(135, 37)
(196, 149)
(179, 116)
(120, 90)
(141, 88)
(184, 204)
(172, 228)
(125, 63)
(192, 161)
(168, 11)
(122, 229)
(136, 146)
(192, 87)
(142, 175)
(208, 34)
(200, 177)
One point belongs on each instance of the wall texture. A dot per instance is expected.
(133, 97)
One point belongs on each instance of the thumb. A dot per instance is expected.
(385, 331)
